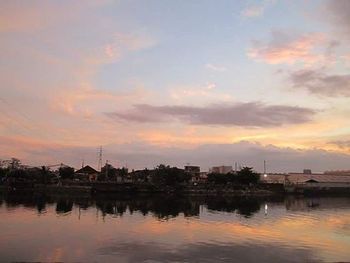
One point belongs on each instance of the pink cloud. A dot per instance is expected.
(289, 49)
(215, 67)
(33, 16)
(256, 10)
(87, 101)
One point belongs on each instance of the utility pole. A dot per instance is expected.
(99, 166)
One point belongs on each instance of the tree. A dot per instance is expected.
(18, 174)
(66, 172)
(35, 174)
(3, 173)
(106, 172)
(217, 178)
(247, 176)
(13, 163)
(171, 176)
(123, 172)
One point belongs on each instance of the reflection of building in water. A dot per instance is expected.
(304, 204)
(221, 169)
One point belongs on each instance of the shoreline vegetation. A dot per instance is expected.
(163, 179)
(140, 189)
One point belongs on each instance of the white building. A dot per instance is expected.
(221, 169)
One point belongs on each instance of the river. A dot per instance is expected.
(173, 229)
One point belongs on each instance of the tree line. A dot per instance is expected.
(163, 175)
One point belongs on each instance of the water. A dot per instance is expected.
(168, 229)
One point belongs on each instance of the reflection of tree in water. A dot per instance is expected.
(173, 206)
(29, 200)
(64, 206)
(40, 201)
(83, 202)
(243, 206)
(111, 207)
(248, 207)
(162, 207)
(165, 207)
(41, 204)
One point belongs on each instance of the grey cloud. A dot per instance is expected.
(242, 114)
(318, 82)
(338, 11)
(341, 144)
(138, 155)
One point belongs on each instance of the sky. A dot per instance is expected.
(177, 82)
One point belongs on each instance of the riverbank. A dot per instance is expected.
(124, 188)
(91, 188)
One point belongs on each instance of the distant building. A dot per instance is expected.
(309, 180)
(221, 169)
(194, 171)
(274, 178)
(339, 172)
(307, 171)
(86, 173)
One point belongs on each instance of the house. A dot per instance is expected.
(87, 173)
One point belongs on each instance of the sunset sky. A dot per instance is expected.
(176, 82)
